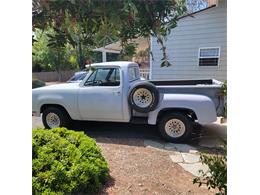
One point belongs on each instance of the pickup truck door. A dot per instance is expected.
(100, 98)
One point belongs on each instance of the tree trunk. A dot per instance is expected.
(81, 57)
(59, 68)
(59, 76)
(80, 54)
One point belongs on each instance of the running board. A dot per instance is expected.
(139, 120)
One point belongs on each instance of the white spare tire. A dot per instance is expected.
(143, 97)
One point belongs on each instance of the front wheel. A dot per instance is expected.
(175, 127)
(53, 117)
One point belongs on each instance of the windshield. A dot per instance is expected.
(78, 76)
(104, 77)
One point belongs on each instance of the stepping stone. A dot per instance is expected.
(176, 157)
(170, 146)
(190, 158)
(194, 151)
(153, 144)
(180, 147)
(194, 168)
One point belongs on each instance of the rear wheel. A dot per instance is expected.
(53, 117)
(175, 127)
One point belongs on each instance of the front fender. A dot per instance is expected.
(68, 103)
(202, 106)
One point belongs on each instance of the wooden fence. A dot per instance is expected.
(53, 76)
(65, 75)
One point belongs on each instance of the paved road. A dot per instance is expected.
(208, 137)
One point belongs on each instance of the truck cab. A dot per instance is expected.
(102, 96)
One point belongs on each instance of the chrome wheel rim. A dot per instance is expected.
(142, 97)
(175, 128)
(53, 120)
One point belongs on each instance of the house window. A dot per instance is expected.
(209, 56)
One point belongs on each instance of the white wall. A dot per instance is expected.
(206, 29)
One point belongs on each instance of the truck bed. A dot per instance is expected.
(207, 87)
(183, 82)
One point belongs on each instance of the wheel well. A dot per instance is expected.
(186, 111)
(45, 106)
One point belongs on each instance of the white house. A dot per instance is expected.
(197, 47)
(116, 47)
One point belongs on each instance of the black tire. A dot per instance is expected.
(185, 121)
(63, 116)
(147, 86)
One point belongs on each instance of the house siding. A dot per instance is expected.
(207, 28)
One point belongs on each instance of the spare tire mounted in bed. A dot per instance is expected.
(143, 97)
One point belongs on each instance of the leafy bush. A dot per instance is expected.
(224, 88)
(224, 91)
(45, 58)
(216, 177)
(37, 83)
(66, 162)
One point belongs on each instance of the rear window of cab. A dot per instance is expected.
(133, 73)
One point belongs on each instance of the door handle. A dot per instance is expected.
(116, 92)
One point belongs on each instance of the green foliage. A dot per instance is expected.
(95, 23)
(165, 63)
(37, 83)
(66, 162)
(49, 55)
(224, 90)
(128, 51)
(57, 39)
(216, 177)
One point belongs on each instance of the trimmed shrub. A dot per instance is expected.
(37, 83)
(66, 162)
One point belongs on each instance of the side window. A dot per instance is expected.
(104, 77)
(115, 76)
(133, 73)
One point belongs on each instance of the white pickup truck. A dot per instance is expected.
(113, 91)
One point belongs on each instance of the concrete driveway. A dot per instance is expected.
(209, 136)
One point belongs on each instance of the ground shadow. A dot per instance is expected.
(110, 183)
(135, 134)
(117, 130)
(108, 132)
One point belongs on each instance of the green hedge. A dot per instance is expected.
(37, 83)
(66, 162)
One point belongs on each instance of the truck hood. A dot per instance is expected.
(58, 87)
